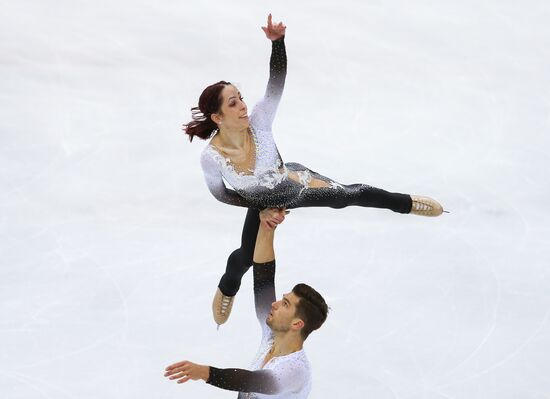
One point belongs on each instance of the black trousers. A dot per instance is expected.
(240, 259)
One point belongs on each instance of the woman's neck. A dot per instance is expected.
(235, 139)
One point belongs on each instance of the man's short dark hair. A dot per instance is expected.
(311, 308)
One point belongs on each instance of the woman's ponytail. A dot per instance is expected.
(210, 102)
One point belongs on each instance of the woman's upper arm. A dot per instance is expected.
(212, 175)
(215, 184)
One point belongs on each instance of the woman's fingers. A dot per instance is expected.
(277, 28)
(184, 379)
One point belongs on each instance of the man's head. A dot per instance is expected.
(302, 310)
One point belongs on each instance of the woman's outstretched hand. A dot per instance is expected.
(274, 31)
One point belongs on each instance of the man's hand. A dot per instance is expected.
(271, 217)
(274, 31)
(185, 371)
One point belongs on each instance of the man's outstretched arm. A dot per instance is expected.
(264, 251)
(264, 267)
(260, 381)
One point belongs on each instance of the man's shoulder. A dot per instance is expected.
(301, 358)
(297, 362)
(294, 372)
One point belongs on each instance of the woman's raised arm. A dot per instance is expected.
(264, 112)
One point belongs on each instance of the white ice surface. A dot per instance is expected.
(111, 246)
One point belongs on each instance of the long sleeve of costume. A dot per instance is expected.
(260, 381)
(214, 181)
(264, 111)
(264, 291)
(270, 382)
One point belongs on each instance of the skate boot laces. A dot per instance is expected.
(221, 307)
(425, 206)
(226, 302)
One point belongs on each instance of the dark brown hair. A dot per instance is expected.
(311, 308)
(210, 103)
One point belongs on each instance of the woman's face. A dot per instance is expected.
(234, 113)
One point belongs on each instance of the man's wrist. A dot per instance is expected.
(205, 373)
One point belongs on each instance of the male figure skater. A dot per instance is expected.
(280, 369)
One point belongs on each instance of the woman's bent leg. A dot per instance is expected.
(240, 259)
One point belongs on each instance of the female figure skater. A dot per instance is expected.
(243, 152)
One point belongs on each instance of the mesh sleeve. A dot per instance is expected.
(264, 112)
(290, 378)
(264, 291)
(260, 381)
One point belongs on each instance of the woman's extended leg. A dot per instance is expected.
(320, 191)
(324, 192)
(341, 196)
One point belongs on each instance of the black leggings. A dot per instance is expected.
(240, 259)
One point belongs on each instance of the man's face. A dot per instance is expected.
(283, 313)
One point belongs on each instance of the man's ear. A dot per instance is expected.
(298, 324)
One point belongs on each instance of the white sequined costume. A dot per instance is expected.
(268, 184)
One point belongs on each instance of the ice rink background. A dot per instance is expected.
(111, 246)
